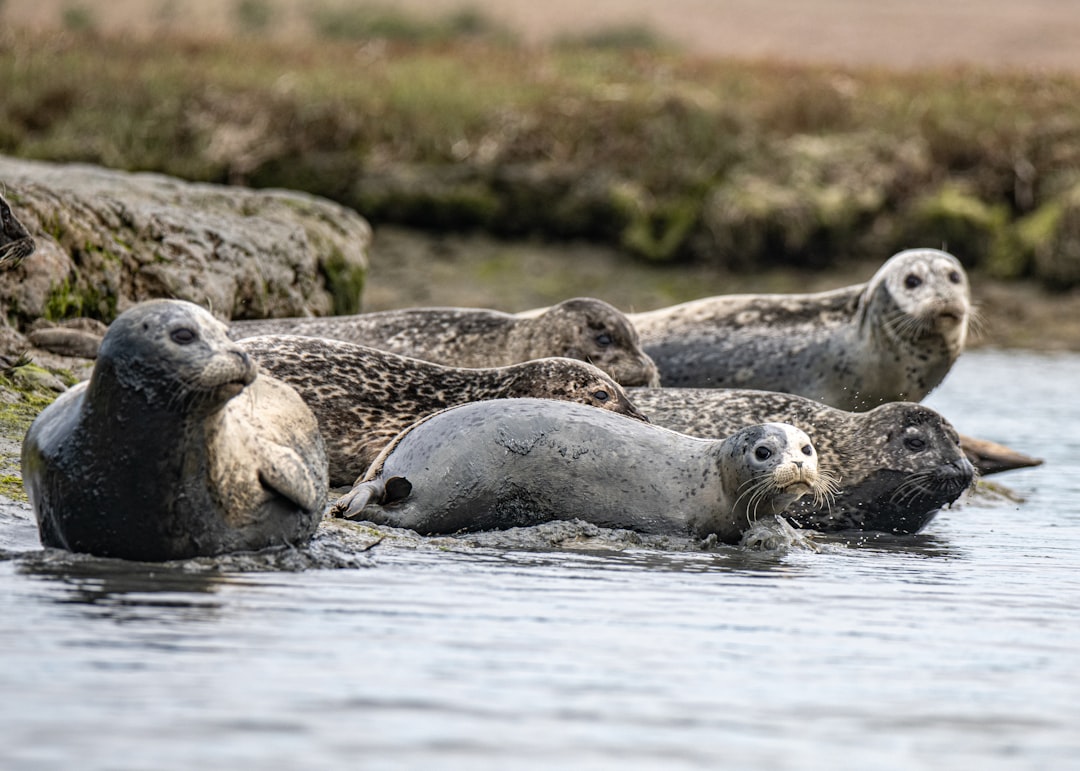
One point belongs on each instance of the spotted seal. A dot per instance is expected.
(175, 447)
(897, 464)
(16, 243)
(893, 338)
(582, 328)
(516, 462)
(363, 397)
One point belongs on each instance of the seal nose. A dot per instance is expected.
(250, 368)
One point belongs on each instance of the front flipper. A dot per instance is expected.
(285, 472)
(350, 505)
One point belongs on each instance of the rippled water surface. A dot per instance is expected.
(957, 648)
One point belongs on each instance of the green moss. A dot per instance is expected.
(661, 234)
(345, 282)
(67, 301)
(63, 302)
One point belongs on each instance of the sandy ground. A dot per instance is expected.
(893, 33)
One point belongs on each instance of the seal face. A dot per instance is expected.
(891, 339)
(518, 462)
(16, 243)
(363, 397)
(582, 328)
(896, 465)
(174, 448)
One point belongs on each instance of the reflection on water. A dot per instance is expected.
(954, 648)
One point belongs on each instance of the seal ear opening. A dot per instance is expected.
(395, 489)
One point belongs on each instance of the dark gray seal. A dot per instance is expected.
(16, 243)
(174, 448)
(518, 462)
(897, 464)
(891, 339)
(583, 328)
(364, 397)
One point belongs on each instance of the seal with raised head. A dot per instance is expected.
(896, 465)
(16, 243)
(364, 397)
(893, 338)
(582, 328)
(174, 448)
(519, 462)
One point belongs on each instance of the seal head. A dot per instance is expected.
(590, 330)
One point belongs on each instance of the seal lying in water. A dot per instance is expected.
(16, 243)
(516, 462)
(582, 328)
(897, 464)
(174, 448)
(891, 339)
(363, 397)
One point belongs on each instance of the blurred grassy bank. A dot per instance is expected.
(618, 140)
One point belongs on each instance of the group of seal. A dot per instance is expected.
(175, 447)
(467, 419)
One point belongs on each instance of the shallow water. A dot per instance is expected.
(955, 648)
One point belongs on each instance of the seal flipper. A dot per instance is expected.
(350, 505)
(286, 473)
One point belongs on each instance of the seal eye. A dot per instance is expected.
(915, 443)
(603, 339)
(183, 336)
(762, 453)
(954, 276)
(912, 281)
(807, 450)
(601, 396)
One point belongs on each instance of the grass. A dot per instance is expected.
(746, 165)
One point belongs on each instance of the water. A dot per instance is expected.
(956, 648)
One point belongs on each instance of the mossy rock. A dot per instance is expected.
(108, 239)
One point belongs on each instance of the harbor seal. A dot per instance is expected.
(363, 397)
(518, 462)
(174, 448)
(897, 464)
(16, 243)
(893, 338)
(582, 328)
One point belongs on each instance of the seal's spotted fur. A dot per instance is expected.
(364, 397)
(583, 328)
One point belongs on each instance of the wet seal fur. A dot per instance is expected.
(897, 465)
(518, 462)
(582, 328)
(891, 339)
(174, 448)
(16, 243)
(364, 397)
